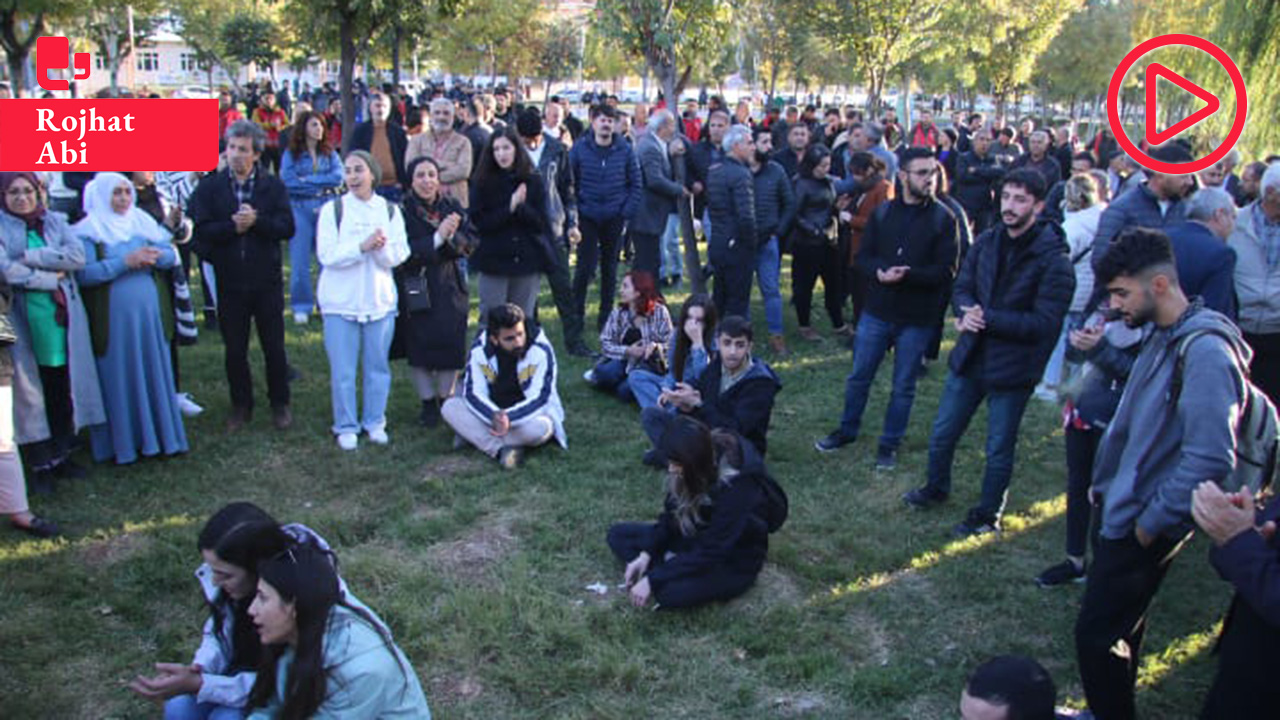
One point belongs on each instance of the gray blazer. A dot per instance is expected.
(25, 269)
(659, 190)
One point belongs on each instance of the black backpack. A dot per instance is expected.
(776, 505)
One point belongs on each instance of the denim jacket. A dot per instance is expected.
(306, 180)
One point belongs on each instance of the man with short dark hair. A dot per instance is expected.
(1156, 203)
(790, 156)
(1173, 429)
(607, 174)
(735, 392)
(775, 210)
(1011, 296)
(977, 173)
(1250, 181)
(509, 400)
(705, 153)
(925, 133)
(909, 254)
(972, 125)
(1009, 687)
(241, 215)
(731, 206)
(476, 130)
(1005, 148)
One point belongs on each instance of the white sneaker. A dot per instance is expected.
(1046, 393)
(300, 318)
(187, 406)
(347, 441)
(379, 436)
(590, 376)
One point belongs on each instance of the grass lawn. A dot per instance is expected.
(865, 610)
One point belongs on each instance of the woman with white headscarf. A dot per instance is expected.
(130, 322)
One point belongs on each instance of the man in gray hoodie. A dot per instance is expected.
(1161, 444)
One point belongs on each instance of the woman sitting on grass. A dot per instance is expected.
(325, 657)
(635, 336)
(215, 686)
(695, 338)
(711, 539)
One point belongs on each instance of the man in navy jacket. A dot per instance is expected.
(608, 176)
(1245, 554)
(1206, 264)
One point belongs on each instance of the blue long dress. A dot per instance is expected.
(136, 373)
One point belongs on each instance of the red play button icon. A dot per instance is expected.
(1155, 71)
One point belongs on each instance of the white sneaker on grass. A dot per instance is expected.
(187, 406)
(348, 441)
(379, 436)
(301, 318)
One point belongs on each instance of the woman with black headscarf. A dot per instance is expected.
(55, 380)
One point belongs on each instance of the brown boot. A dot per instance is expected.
(778, 346)
(282, 417)
(238, 418)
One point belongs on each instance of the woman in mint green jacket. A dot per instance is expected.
(326, 658)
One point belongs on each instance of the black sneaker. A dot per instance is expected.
(41, 482)
(579, 350)
(886, 458)
(430, 415)
(832, 442)
(923, 498)
(654, 459)
(1061, 574)
(975, 524)
(70, 470)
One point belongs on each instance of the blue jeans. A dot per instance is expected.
(768, 276)
(350, 344)
(672, 252)
(960, 400)
(874, 338)
(611, 376)
(302, 246)
(185, 707)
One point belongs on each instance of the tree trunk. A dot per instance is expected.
(395, 57)
(16, 78)
(347, 41)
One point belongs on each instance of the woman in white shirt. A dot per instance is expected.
(360, 238)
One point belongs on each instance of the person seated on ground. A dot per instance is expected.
(688, 360)
(735, 393)
(1246, 554)
(324, 656)
(711, 539)
(509, 399)
(1009, 687)
(216, 684)
(636, 336)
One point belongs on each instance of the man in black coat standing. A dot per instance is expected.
(977, 172)
(1011, 296)
(241, 215)
(1206, 264)
(732, 207)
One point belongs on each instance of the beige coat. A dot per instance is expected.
(451, 153)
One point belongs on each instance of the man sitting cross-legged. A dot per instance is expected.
(735, 392)
(509, 399)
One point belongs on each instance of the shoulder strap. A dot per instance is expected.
(337, 212)
(1184, 345)
(1085, 253)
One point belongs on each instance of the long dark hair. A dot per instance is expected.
(241, 534)
(305, 576)
(298, 137)
(687, 442)
(488, 168)
(683, 344)
(812, 158)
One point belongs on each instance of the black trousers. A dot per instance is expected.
(562, 295)
(1082, 446)
(648, 258)
(52, 452)
(731, 287)
(628, 539)
(1245, 685)
(264, 307)
(1122, 580)
(599, 246)
(1265, 368)
(808, 263)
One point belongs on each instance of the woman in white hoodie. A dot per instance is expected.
(360, 238)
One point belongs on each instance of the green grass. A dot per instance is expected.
(865, 610)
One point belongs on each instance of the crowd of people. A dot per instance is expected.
(1147, 304)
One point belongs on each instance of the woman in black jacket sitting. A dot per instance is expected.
(431, 328)
(711, 539)
(814, 250)
(509, 208)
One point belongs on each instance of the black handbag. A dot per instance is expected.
(417, 292)
(656, 363)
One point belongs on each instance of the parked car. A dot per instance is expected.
(201, 92)
(569, 95)
(630, 96)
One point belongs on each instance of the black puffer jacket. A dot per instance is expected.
(775, 203)
(731, 202)
(1023, 306)
(974, 184)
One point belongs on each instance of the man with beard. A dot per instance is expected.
(1039, 159)
(450, 149)
(977, 172)
(909, 254)
(509, 399)
(1011, 296)
(1159, 446)
(775, 209)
